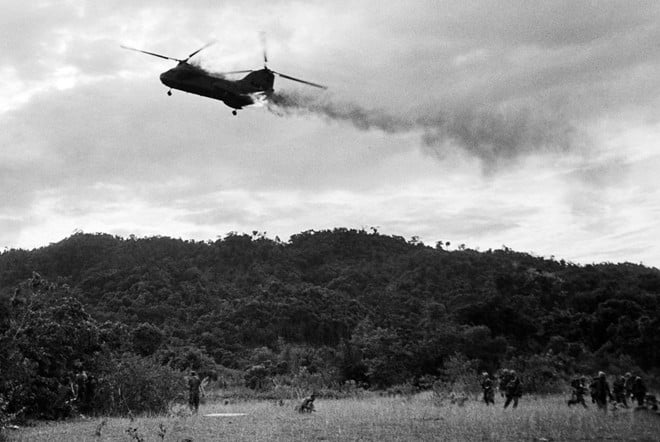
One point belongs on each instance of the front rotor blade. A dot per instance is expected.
(288, 77)
(151, 53)
(201, 49)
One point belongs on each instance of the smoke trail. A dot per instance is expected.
(492, 135)
(294, 103)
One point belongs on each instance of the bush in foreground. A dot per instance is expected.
(136, 385)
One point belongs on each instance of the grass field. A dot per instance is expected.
(419, 417)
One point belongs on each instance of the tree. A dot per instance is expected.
(146, 338)
(383, 354)
(50, 338)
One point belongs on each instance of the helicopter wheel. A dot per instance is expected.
(169, 93)
(234, 113)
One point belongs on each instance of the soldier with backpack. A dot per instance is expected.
(487, 387)
(194, 387)
(579, 390)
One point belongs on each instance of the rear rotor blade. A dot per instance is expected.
(236, 72)
(151, 53)
(200, 49)
(262, 36)
(288, 77)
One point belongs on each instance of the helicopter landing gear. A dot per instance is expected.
(234, 113)
(169, 93)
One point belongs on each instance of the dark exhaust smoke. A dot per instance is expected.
(292, 103)
(493, 135)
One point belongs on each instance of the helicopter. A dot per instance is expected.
(256, 86)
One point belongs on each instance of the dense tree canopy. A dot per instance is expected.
(389, 310)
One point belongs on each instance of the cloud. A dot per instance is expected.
(422, 96)
(468, 225)
(10, 229)
(560, 23)
(100, 141)
(602, 174)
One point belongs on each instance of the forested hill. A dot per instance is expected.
(386, 309)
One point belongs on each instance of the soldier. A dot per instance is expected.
(81, 390)
(504, 379)
(579, 390)
(307, 405)
(90, 390)
(194, 385)
(592, 389)
(512, 389)
(601, 391)
(639, 391)
(487, 387)
(629, 381)
(619, 390)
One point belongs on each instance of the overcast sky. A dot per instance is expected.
(530, 124)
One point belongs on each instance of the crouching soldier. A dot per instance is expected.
(651, 402)
(307, 405)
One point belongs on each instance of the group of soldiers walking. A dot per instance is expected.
(510, 387)
(623, 388)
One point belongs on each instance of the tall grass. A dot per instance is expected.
(403, 418)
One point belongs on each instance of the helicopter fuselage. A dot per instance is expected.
(257, 85)
(234, 93)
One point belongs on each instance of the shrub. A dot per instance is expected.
(5, 418)
(255, 377)
(539, 374)
(133, 384)
(461, 374)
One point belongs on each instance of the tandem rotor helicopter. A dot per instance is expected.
(254, 87)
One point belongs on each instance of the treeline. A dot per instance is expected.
(346, 304)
